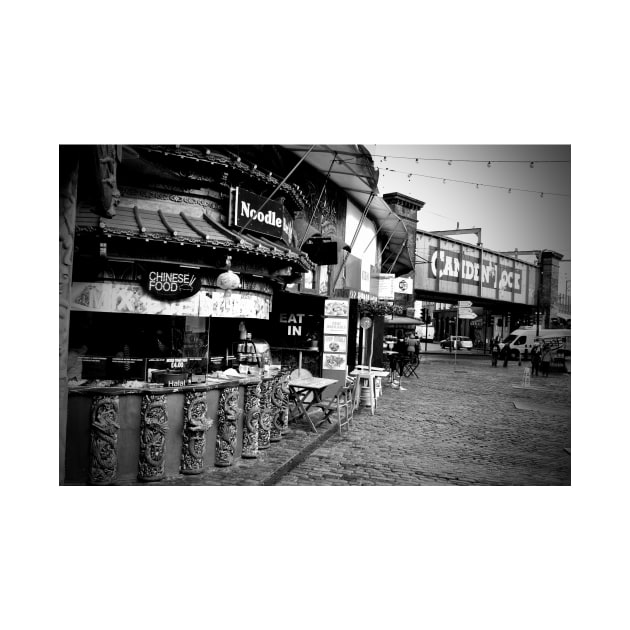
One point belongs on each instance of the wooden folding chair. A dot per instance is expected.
(410, 366)
(352, 387)
(341, 404)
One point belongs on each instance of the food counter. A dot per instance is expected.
(120, 434)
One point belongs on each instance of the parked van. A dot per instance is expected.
(521, 340)
(426, 333)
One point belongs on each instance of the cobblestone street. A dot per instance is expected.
(453, 426)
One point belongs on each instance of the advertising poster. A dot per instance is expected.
(117, 297)
(335, 325)
(241, 304)
(335, 343)
(334, 361)
(336, 308)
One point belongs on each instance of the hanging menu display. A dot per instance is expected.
(335, 346)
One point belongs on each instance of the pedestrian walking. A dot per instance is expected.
(505, 355)
(494, 353)
(545, 360)
(535, 359)
(401, 359)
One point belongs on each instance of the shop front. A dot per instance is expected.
(170, 369)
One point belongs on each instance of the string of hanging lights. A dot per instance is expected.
(450, 161)
(476, 184)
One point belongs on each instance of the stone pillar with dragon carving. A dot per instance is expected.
(227, 420)
(266, 413)
(276, 410)
(251, 420)
(196, 423)
(153, 429)
(103, 440)
(284, 391)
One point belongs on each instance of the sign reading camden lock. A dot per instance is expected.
(272, 220)
(448, 266)
(171, 283)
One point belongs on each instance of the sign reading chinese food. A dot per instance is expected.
(171, 283)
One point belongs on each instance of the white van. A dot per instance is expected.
(426, 333)
(521, 340)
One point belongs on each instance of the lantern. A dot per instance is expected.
(228, 280)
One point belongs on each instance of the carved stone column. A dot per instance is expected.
(276, 410)
(226, 427)
(153, 428)
(251, 420)
(103, 440)
(284, 389)
(266, 411)
(196, 423)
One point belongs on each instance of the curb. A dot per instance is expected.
(298, 458)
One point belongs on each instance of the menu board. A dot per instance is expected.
(335, 347)
(335, 325)
(336, 308)
(334, 361)
(94, 367)
(335, 343)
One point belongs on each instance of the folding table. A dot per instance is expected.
(300, 388)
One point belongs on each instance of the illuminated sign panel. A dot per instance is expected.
(268, 218)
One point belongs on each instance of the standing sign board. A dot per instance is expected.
(335, 346)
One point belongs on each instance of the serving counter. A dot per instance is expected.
(118, 434)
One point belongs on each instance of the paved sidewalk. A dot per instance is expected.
(266, 469)
(469, 424)
(454, 426)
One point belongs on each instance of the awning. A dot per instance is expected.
(400, 320)
(183, 228)
(354, 172)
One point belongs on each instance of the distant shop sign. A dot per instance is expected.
(171, 283)
(446, 265)
(271, 220)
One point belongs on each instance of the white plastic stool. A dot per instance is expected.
(526, 374)
(378, 387)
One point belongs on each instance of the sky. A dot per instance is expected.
(508, 220)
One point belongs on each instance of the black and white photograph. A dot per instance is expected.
(204, 282)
